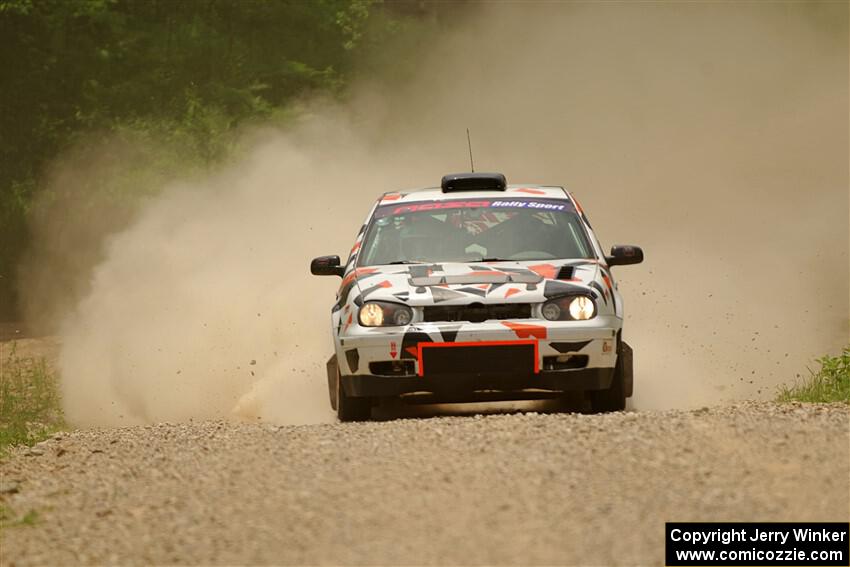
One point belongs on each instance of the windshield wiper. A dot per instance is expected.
(404, 262)
(494, 260)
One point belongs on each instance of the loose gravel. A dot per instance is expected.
(524, 489)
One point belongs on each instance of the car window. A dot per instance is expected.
(468, 231)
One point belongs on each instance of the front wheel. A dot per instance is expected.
(349, 408)
(614, 398)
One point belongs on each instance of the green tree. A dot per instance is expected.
(189, 70)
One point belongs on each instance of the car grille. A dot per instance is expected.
(476, 312)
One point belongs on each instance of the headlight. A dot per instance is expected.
(582, 308)
(384, 314)
(569, 308)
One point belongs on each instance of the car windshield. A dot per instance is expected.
(470, 231)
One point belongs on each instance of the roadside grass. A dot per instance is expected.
(30, 408)
(8, 519)
(829, 384)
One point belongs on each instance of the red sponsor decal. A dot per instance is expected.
(439, 205)
(607, 281)
(391, 197)
(393, 349)
(412, 350)
(511, 291)
(526, 331)
(385, 283)
(356, 274)
(347, 279)
(530, 191)
(547, 271)
(578, 207)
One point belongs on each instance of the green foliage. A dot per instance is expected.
(829, 384)
(29, 401)
(15, 201)
(192, 70)
(20, 7)
(72, 66)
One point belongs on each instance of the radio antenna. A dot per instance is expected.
(469, 143)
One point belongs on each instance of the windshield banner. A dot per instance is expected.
(502, 203)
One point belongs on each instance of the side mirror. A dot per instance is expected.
(624, 254)
(326, 266)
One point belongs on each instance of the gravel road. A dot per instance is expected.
(497, 489)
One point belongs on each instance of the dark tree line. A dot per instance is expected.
(199, 68)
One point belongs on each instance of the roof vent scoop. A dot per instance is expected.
(455, 182)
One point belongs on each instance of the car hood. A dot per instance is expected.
(452, 283)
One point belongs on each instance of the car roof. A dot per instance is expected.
(512, 191)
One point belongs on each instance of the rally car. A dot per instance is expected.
(477, 291)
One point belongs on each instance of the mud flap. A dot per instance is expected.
(628, 370)
(331, 367)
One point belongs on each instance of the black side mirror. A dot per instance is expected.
(326, 266)
(624, 254)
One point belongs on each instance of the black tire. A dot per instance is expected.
(614, 398)
(333, 373)
(351, 409)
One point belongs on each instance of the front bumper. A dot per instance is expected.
(593, 341)
(470, 387)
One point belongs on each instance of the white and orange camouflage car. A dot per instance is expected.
(477, 291)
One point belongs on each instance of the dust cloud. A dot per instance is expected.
(713, 135)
